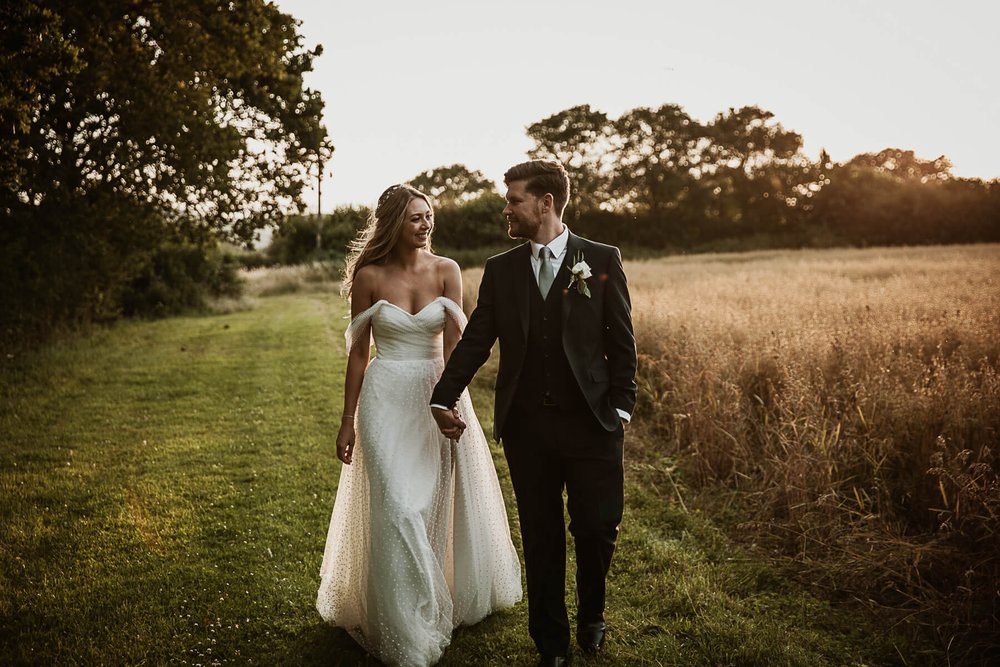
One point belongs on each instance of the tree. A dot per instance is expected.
(582, 140)
(758, 167)
(658, 151)
(185, 120)
(893, 197)
(452, 185)
(904, 164)
(33, 51)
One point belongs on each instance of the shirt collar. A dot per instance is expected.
(556, 245)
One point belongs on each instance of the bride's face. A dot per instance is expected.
(417, 226)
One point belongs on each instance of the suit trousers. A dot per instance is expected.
(549, 450)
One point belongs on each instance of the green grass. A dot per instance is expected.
(166, 487)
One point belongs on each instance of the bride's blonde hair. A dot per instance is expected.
(376, 241)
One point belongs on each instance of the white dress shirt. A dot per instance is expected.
(556, 246)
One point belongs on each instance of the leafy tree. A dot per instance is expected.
(582, 139)
(866, 202)
(147, 122)
(33, 51)
(757, 165)
(452, 185)
(658, 153)
(655, 179)
(904, 164)
(893, 196)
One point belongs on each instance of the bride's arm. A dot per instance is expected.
(452, 290)
(357, 362)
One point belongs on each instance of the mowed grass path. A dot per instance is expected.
(165, 491)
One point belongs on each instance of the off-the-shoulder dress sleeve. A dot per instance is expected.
(454, 311)
(363, 319)
(359, 324)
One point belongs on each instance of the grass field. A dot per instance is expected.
(165, 487)
(850, 401)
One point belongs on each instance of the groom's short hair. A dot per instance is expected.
(542, 176)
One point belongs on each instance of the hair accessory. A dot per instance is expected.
(388, 193)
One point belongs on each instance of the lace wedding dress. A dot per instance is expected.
(419, 542)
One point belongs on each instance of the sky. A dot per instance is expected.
(412, 86)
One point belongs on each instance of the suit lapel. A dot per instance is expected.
(573, 246)
(523, 280)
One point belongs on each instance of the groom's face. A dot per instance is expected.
(523, 212)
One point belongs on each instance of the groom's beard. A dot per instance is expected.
(522, 229)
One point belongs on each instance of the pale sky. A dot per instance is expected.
(411, 86)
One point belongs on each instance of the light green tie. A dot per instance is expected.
(545, 275)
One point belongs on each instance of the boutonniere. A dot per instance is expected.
(580, 271)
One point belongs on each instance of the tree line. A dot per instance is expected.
(658, 181)
(660, 177)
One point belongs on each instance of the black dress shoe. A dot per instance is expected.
(553, 661)
(590, 637)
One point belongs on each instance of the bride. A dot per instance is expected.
(419, 542)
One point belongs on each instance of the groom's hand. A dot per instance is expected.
(448, 422)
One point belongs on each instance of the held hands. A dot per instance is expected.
(345, 440)
(449, 422)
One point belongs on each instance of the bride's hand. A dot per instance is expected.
(345, 442)
(449, 423)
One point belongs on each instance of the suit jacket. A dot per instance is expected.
(597, 331)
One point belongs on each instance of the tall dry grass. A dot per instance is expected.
(852, 399)
(278, 280)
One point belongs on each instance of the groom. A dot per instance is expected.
(560, 307)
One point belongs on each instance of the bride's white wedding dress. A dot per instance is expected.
(419, 542)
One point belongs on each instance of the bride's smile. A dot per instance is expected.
(419, 223)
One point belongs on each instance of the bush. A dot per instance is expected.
(470, 257)
(62, 266)
(294, 242)
(178, 278)
(247, 258)
(473, 225)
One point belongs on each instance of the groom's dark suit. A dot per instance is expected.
(567, 365)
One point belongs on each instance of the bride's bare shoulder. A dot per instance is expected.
(364, 287)
(369, 275)
(367, 272)
(446, 265)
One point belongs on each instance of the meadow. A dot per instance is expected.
(809, 470)
(842, 408)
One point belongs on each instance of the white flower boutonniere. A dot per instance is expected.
(581, 271)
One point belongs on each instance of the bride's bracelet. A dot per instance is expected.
(350, 417)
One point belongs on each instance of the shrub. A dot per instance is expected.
(180, 277)
(294, 242)
(475, 224)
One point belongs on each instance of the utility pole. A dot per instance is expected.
(319, 200)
